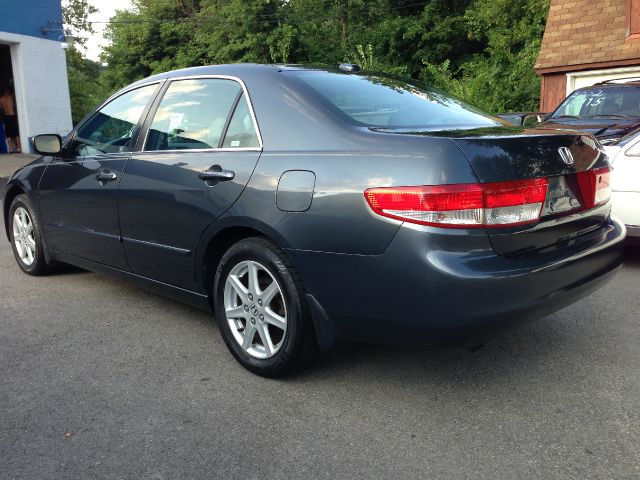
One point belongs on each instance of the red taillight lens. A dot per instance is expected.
(463, 205)
(595, 186)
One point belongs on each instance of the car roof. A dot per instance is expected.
(289, 108)
(232, 69)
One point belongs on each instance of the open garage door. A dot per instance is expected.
(577, 80)
(9, 129)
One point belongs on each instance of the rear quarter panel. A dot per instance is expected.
(339, 220)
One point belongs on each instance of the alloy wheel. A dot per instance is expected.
(255, 309)
(23, 236)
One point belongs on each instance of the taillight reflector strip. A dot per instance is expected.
(462, 205)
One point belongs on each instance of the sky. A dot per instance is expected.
(106, 9)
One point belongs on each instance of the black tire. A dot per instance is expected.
(39, 265)
(299, 345)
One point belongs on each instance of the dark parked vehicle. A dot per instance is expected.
(608, 110)
(305, 206)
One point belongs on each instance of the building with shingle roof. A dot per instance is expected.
(586, 42)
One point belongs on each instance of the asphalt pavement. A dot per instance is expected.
(102, 380)
(9, 163)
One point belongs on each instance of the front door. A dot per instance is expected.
(200, 150)
(78, 192)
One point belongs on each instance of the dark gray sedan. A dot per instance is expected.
(306, 206)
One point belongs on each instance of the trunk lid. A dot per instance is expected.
(567, 215)
(533, 153)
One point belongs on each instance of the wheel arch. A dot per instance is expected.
(12, 192)
(224, 233)
(219, 237)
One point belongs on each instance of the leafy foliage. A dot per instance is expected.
(482, 51)
(76, 15)
(85, 88)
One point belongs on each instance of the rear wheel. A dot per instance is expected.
(26, 237)
(261, 309)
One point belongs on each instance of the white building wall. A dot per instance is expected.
(42, 88)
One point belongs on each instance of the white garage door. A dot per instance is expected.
(584, 79)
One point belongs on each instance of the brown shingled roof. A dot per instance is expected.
(585, 32)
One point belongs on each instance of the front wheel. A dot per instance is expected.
(261, 310)
(26, 237)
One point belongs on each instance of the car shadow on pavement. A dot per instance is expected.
(527, 349)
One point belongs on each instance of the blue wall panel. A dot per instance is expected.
(29, 17)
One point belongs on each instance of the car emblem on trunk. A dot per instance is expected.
(566, 155)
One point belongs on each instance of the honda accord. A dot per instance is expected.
(305, 206)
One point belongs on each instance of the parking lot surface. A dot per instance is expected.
(99, 379)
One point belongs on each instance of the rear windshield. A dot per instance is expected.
(376, 101)
(601, 102)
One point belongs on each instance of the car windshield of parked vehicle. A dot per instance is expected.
(601, 102)
(376, 101)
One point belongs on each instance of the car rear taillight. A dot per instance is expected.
(595, 186)
(462, 205)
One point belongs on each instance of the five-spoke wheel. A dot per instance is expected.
(23, 238)
(255, 309)
(26, 239)
(261, 308)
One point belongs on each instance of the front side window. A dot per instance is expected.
(110, 129)
(193, 115)
(377, 101)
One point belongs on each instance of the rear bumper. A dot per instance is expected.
(450, 288)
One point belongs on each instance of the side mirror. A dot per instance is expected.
(47, 144)
(532, 120)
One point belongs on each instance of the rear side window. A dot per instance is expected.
(110, 129)
(241, 132)
(377, 101)
(193, 114)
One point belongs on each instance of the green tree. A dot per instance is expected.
(156, 36)
(85, 88)
(238, 31)
(481, 51)
(75, 14)
(501, 76)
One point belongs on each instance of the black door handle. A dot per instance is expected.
(216, 174)
(106, 176)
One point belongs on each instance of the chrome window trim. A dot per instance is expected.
(113, 97)
(201, 150)
(128, 89)
(212, 149)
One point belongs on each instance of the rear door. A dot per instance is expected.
(200, 148)
(78, 192)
